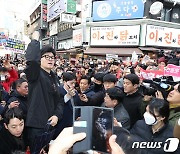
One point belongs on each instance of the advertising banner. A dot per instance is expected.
(162, 36)
(115, 10)
(115, 36)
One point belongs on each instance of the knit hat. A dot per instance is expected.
(46, 49)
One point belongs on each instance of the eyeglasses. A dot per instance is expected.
(47, 57)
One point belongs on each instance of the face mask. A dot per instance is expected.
(97, 86)
(59, 74)
(149, 119)
(20, 68)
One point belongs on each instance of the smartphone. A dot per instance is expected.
(97, 123)
(102, 129)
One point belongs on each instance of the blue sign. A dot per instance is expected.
(118, 9)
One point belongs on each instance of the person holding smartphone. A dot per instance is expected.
(70, 99)
(7, 75)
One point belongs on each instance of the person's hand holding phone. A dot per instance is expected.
(13, 104)
(71, 91)
(83, 97)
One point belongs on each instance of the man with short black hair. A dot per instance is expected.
(113, 99)
(18, 97)
(109, 81)
(133, 99)
(70, 99)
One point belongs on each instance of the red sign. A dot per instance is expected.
(150, 74)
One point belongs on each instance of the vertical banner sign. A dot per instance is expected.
(71, 6)
(162, 36)
(77, 37)
(44, 24)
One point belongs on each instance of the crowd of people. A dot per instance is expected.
(43, 88)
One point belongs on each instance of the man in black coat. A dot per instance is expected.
(45, 103)
(18, 97)
(133, 98)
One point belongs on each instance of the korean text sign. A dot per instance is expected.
(115, 10)
(169, 70)
(115, 36)
(172, 70)
(162, 36)
(150, 74)
(77, 37)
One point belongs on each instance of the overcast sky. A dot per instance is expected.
(20, 7)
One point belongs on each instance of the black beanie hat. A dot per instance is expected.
(99, 76)
(46, 49)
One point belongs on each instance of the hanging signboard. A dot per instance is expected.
(115, 36)
(115, 10)
(162, 36)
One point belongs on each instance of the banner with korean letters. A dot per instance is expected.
(162, 36)
(115, 36)
(169, 70)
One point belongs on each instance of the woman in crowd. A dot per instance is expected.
(154, 128)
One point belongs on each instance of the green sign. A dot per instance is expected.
(44, 1)
(71, 6)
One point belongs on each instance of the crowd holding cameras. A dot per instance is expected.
(44, 88)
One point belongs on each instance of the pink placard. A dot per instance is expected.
(172, 70)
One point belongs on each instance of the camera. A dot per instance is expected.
(163, 84)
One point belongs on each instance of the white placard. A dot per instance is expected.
(53, 27)
(65, 44)
(77, 37)
(111, 56)
(162, 36)
(67, 18)
(115, 36)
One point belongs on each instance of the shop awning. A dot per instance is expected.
(118, 51)
(69, 50)
(149, 49)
